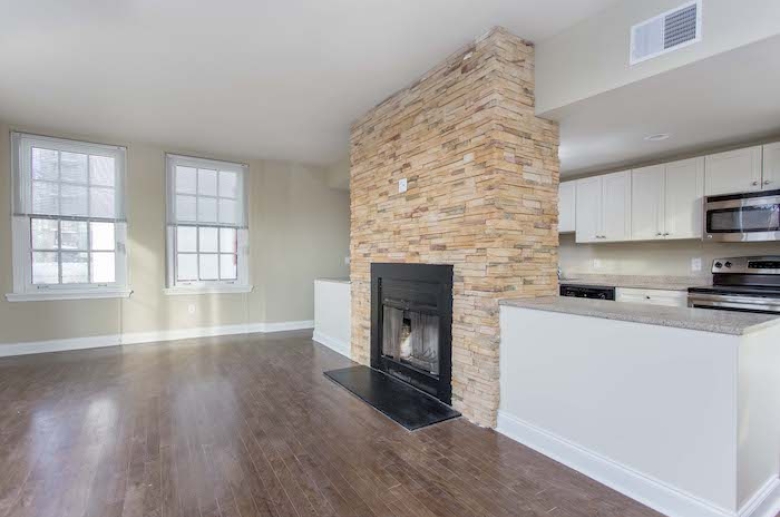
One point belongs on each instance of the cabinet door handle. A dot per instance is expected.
(767, 182)
(667, 234)
(659, 234)
(754, 183)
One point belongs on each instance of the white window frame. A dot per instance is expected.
(242, 282)
(24, 290)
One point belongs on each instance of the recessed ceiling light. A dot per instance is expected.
(658, 137)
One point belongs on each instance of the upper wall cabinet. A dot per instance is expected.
(666, 200)
(647, 203)
(567, 202)
(588, 209)
(683, 196)
(771, 172)
(733, 171)
(603, 208)
(617, 206)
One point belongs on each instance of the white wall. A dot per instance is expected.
(759, 413)
(332, 314)
(592, 57)
(651, 258)
(636, 396)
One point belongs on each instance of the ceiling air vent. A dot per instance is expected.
(666, 32)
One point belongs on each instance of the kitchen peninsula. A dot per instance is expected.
(673, 406)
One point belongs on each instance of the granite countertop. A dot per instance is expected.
(720, 322)
(666, 283)
(334, 280)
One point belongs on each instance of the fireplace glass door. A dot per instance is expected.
(412, 338)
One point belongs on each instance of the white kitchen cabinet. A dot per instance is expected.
(733, 171)
(567, 203)
(603, 208)
(652, 296)
(683, 195)
(771, 172)
(647, 203)
(616, 221)
(588, 209)
(666, 200)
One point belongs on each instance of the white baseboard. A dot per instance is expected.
(133, 338)
(282, 326)
(59, 345)
(334, 344)
(638, 486)
(765, 502)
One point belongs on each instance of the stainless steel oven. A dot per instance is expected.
(741, 284)
(748, 217)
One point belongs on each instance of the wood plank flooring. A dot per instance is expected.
(248, 426)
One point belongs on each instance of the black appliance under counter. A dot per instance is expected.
(597, 292)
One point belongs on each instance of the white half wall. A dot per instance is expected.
(651, 411)
(332, 324)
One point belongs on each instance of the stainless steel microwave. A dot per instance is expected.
(748, 217)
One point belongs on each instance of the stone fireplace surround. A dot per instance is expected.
(482, 174)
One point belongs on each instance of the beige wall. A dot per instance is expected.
(338, 174)
(299, 230)
(593, 56)
(651, 258)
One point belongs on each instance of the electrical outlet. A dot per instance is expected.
(346, 261)
(191, 308)
(402, 186)
(597, 264)
(695, 264)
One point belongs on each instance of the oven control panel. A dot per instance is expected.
(763, 265)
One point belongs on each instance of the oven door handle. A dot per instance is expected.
(742, 300)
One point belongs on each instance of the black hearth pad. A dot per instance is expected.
(408, 406)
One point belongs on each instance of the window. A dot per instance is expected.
(207, 236)
(68, 219)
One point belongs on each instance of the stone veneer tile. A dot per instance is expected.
(482, 175)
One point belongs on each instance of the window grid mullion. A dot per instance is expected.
(219, 234)
(89, 223)
(197, 248)
(59, 251)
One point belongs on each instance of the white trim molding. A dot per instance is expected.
(281, 326)
(59, 345)
(765, 502)
(181, 290)
(334, 344)
(645, 489)
(58, 295)
(133, 338)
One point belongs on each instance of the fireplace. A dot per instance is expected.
(411, 325)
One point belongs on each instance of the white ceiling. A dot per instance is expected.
(727, 99)
(276, 79)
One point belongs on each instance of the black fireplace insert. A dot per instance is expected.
(411, 325)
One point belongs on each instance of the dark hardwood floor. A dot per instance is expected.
(249, 426)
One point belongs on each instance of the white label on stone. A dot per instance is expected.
(402, 186)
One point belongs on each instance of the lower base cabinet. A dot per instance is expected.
(652, 296)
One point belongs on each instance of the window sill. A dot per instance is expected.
(68, 295)
(211, 289)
